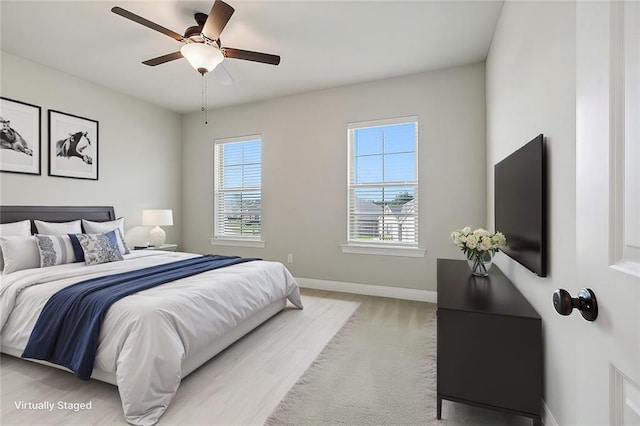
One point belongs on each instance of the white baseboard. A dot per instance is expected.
(370, 290)
(547, 417)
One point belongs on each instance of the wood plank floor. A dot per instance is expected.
(240, 386)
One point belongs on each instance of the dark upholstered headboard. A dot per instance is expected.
(55, 213)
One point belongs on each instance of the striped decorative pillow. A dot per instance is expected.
(55, 250)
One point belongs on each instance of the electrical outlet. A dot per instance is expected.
(290, 258)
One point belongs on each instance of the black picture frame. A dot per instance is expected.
(20, 137)
(73, 146)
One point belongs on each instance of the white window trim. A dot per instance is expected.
(223, 240)
(235, 242)
(383, 250)
(382, 122)
(380, 249)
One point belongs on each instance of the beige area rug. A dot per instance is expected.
(379, 369)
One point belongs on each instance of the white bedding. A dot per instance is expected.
(146, 336)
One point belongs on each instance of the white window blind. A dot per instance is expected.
(383, 182)
(238, 188)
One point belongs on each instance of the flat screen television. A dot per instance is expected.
(521, 205)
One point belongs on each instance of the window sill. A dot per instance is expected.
(628, 267)
(236, 242)
(383, 251)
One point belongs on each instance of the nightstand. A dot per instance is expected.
(164, 247)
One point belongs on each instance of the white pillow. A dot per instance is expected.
(91, 227)
(19, 253)
(58, 228)
(14, 229)
(55, 250)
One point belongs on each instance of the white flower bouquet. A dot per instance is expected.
(479, 246)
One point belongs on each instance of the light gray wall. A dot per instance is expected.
(140, 153)
(305, 172)
(531, 90)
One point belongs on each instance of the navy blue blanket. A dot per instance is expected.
(68, 327)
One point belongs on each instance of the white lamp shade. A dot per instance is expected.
(201, 56)
(157, 217)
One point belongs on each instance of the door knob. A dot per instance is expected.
(586, 303)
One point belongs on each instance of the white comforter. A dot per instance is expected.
(146, 336)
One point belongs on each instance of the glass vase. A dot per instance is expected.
(480, 262)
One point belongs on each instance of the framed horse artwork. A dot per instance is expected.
(73, 146)
(19, 137)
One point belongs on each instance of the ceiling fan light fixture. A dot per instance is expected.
(202, 57)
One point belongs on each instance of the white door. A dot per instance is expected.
(608, 210)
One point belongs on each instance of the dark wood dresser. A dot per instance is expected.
(489, 342)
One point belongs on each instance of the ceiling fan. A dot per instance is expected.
(201, 43)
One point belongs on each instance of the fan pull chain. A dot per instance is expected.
(205, 102)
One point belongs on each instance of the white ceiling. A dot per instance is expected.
(322, 44)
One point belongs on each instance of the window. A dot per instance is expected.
(238, 188)
(383, 183)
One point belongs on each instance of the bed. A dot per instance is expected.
(152, 339)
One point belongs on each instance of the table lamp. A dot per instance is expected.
(157, 218)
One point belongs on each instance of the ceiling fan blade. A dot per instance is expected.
(218, 17)
(248, 55)
(162, 59)
(147, 23)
